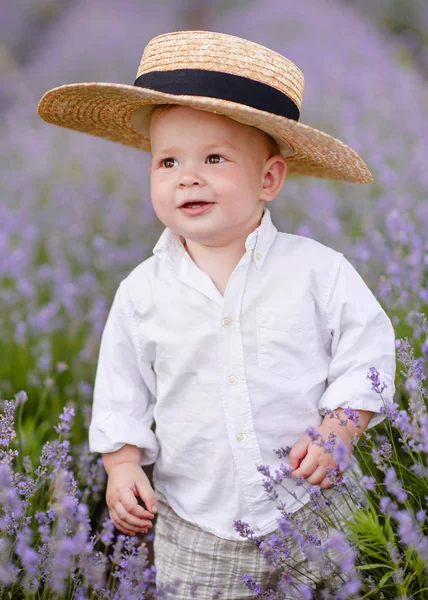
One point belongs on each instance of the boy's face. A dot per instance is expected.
(197, 155)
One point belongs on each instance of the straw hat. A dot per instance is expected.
(210, 71)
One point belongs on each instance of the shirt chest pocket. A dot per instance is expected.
(287, 341)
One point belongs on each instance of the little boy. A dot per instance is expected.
(233, 337)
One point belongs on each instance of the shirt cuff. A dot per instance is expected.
(337, 395)
(110, 432)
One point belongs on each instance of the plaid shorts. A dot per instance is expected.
(194, 563)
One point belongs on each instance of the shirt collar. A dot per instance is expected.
(171, 249)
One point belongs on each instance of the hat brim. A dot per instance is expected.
(106, 110)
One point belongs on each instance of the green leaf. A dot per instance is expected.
(385, 578)
(376, 566)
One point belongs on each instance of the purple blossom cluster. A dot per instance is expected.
(76, 212)
(387, 503)
(47, 541)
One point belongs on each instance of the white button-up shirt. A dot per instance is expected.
(228, 379)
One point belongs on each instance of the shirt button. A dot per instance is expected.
(258, 256)
(227, 322)
(241, 437)
(232, 379)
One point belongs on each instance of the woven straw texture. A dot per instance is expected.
(109, 110)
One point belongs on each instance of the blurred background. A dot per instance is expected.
(75, 211)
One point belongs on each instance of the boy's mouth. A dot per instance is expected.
(196, 208)
(195, 204)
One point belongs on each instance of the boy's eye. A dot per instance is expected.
(215, 156)
(167, 162)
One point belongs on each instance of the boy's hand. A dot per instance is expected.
(126, 480)
(310, 461)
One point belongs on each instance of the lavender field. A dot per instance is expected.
(76, 217)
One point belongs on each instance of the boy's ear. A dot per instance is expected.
(275, 172)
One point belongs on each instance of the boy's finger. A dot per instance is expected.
(307, 467)
(130, 503)
(148, 496)
(326, 483)
(129, 519)
(119, 523)
(142, 513)
(123, 530)
(297, 452)
(124, 522)
(317, 476)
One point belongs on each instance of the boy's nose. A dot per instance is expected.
(189, 179)
(190, 175)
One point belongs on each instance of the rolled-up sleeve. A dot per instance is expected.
(362, 336)
(124, 391)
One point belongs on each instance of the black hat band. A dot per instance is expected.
(224, 86)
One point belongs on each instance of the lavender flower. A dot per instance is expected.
(252, 585)
(368, 482)
(410, 533)
(107, 532)
(7, 430)
(305, 591)
(274, 549)
(341, 455)
(283, 452)
(65, 420)
(244, 531)
(393, 485)
(352, 415)
(374, 378)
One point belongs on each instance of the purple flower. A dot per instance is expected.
(408, 529)
(341, 551)
(65, 420)
(352, 415)
(341, 455)
(244, 531)
(21, 398)
(274, 549)
(28, 556)
(264, 470)
(252, 585)
(45, 518)
(386, 450)
(285, 525)
(305, 591)
(390, 409)
(388, 506)
(374, 378)
(7, 423)
(421, 516)
(393, 486)
(55, 455)
(349, 589)
(313, 434)
(420, 470)
(107, 532)
(368, 482)
(283, 452)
